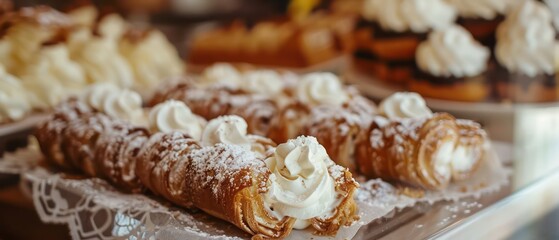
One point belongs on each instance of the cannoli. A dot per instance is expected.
(415, 151)
(116, 154)
(338, 129)
(233, 183)
(79, 140)
(49, 133)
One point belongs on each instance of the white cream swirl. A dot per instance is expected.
(52, 64)
(321, 88)
(266, 82)
(223, 74)
(112, 27)
(126, 105)
(96, 94)
(25, 40)
(14, 104)
(525, 40)
(300, 184)
(152, 58)
(226, 129)
(175, 116)
(44, 94)
(452, 52)
(102, 62)
(404, 105)
(485, 9)
(410, 15)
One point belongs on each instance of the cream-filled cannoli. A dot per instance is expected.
(414, 151)
(264, 199)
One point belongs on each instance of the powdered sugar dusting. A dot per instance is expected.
(227, 162)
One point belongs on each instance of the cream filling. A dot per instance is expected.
(463, 159)
(300, 184)
(443, 158)
(175, 116)
(404, 105)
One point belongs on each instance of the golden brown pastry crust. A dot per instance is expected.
(470, 90)
(222, 180)
(49, 133)
(211, 103)
(283, 44)
(338, 128)
(77, 138)
(116, 155)
(402, 150)
(289, 122)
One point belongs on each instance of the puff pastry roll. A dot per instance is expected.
(235, 184)
(50, 132)
(415, 151)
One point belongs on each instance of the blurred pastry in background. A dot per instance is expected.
(97, 52)
(524, 52)
(52, 76)
(51, 56)
(481, 17)
(85, 16)
(346, 6)
(14, 103)
(6, 6)
(389, 32)
(26, 30)
(452, 65)
(152, 57)
(270, 43)
(341, 24)
(34, 49)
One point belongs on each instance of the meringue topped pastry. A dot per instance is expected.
(452, 65)
(524, 51)
(389, 32)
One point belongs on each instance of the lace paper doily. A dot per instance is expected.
(93, 209)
